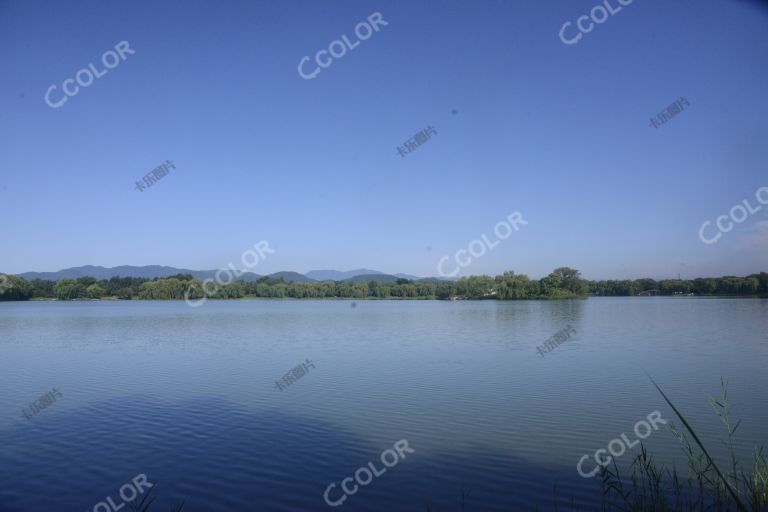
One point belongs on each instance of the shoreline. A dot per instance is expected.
(355, 299)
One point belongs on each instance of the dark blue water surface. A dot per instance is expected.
(187, 397)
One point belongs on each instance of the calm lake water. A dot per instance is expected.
(188, 397)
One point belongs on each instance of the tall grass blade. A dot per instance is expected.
(727, 484)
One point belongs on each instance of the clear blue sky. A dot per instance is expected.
(559, 133)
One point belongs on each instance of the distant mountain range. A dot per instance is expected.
(291, 277)
(148, 271)
(362, 275)
(336, 275)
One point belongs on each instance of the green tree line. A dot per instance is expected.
(754, 284)
(562, 283)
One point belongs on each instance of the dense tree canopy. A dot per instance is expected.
(755, 284)
(562, 283)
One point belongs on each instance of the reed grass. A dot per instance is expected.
(650, 487)
(704, 488)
